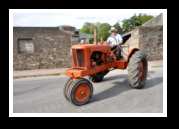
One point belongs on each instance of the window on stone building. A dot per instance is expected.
(25, 46)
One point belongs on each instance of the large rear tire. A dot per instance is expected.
(137, 70)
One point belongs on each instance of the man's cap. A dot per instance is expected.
(113, 29)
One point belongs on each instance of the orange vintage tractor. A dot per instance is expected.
(95, 61)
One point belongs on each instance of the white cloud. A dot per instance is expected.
(74, 17)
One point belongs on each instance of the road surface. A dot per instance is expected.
(113, 95)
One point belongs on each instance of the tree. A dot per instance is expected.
(88, 28)
(101, 28)
(144, 18)
(127, 25)
(118, 27)
(103, 31)
(134, 21)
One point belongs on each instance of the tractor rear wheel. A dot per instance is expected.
(137, 70)
(79, 91)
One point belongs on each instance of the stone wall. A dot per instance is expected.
(49, 48)
(149, 39)
(133, 41)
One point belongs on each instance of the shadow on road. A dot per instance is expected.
(122, 86)
(153, 82)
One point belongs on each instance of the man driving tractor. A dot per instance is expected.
(114, 41)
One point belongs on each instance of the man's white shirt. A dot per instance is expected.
(114, 40)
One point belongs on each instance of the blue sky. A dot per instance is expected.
(74, 17)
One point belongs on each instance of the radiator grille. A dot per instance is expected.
(78, 57)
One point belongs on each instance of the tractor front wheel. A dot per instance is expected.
(137, 70)
(67, 85)
(79, 91)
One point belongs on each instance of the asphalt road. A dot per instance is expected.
(113, 95)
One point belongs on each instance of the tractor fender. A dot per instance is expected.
(131, 52)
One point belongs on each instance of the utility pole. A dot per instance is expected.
(95, 41)
(101, 39)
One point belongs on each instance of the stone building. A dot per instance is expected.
(41, 47)
(149, 38)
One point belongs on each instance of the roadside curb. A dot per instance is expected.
(35, 74)
(55, 74)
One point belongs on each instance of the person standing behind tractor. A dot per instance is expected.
(114, 41)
